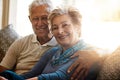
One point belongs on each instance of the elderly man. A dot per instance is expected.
(25, 52)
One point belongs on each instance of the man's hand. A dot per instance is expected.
(34, 78)
(2, 78)
(82, 65)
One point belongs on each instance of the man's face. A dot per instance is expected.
(39, 22)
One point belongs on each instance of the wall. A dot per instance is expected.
(0, 13)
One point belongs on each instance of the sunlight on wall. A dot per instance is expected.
(102, 34)
(24, 26)
(101, 22)
(95, 29)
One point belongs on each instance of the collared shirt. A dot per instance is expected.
(25, 52)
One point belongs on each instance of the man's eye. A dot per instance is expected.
(35, 19)
(39, 18)
(43, 18)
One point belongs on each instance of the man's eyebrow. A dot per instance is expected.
(45, 15)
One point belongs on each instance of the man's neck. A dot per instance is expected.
(44, 40)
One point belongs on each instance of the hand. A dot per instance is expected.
(81, 66)
(2, 78)
(34, 78)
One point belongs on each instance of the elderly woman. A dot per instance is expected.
(66, 28)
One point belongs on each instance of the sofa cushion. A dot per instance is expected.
(7, 36)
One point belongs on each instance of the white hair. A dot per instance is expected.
(41, 2)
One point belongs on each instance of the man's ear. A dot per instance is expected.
(29, 18)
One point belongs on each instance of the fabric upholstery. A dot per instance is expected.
(7, 37)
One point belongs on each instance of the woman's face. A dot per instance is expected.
(65, 32)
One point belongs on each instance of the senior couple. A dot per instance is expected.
(71, 59)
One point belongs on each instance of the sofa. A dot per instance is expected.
(7, 36)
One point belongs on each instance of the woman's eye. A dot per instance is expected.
(54, 28)
(65, 25)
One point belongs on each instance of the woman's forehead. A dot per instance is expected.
(61, 18)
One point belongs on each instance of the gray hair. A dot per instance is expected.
(36, 3)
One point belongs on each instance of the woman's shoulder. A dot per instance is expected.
(52, 50)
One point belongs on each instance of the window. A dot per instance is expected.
(23, 24)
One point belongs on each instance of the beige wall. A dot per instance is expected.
(8, 12)
(5, 13)
(0, 13)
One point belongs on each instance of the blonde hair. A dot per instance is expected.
(74, 14)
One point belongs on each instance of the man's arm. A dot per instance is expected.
(82, 65)
(10, 58)
(2, 78)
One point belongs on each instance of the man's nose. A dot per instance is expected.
(40, 21)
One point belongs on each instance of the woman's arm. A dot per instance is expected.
(39, 67)
(60, 74)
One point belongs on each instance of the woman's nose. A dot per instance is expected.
(60, 30)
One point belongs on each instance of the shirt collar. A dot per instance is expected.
(52, 42)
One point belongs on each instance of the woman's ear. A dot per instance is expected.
(78, 29)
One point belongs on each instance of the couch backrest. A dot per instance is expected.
(7, 36)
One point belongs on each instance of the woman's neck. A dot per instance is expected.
(65, 47)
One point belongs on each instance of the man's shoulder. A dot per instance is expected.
(26, 38)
